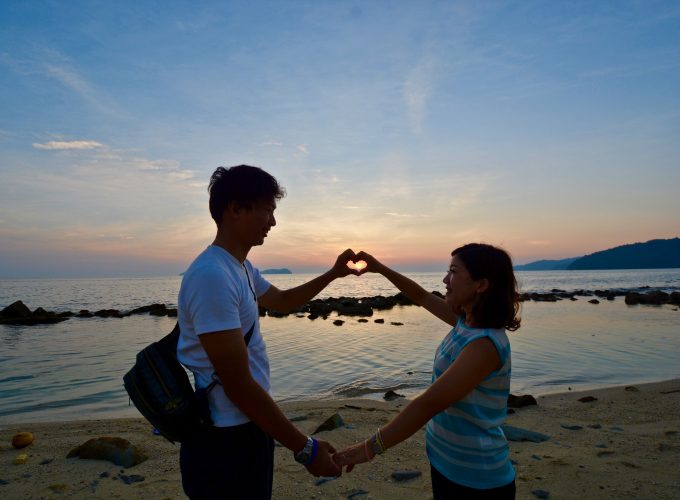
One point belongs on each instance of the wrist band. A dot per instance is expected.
(377, 443)
(315, 449)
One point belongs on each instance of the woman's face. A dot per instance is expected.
(461, 290)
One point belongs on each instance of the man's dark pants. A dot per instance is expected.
(228, 463)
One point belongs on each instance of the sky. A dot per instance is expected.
(401, 128)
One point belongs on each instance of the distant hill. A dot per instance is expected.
(654, 254)
(277, 271)
(546, 265)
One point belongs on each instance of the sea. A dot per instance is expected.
(74, 369)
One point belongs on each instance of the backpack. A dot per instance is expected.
(160, 388)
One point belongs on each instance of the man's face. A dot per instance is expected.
(259, 220)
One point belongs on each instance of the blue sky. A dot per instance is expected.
(401, 128)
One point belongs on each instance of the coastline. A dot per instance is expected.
(628, 445)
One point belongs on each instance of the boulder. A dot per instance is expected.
(114, 449)
(320, 308)
(403, 300)
(354, 308)
(16, 310)
(108, 313)
(276, 314)
(153, 309)
(379, 302)
(18, 313)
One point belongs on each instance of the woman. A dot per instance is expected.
(467, 401)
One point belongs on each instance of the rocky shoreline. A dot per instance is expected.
(18, 313)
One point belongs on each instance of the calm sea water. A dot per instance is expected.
(74, 369)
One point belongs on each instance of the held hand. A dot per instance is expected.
(340, 269)
(323, 464)
(372, 264)
(357, 454)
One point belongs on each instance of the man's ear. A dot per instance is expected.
(232, 210)
(482, 285)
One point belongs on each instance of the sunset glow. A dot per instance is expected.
(403, 129)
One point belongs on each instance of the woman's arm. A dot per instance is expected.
(473, 365)
(411, 289)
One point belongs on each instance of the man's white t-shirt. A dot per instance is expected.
(216, 294)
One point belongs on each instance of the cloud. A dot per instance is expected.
(417, 92)
(303, 148)
(61, 145)
(541, 243)
(271, 143)
(397, 214)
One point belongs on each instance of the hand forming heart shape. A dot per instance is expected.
(358, 265)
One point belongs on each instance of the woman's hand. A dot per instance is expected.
(372, 264)
(357, 454)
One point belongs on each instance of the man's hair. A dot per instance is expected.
(242, 184)
(498, 306)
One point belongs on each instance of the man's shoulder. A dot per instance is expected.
(209, 265)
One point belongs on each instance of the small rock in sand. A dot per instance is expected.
(391, 395)
(333, 422)
(22, 440)
(405, 475)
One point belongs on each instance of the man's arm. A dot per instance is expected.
(285, 300)
(229, 355)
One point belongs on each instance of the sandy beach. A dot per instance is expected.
(624, 444)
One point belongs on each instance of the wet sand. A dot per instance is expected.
(625, 444)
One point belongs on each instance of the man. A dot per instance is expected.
(220, 340)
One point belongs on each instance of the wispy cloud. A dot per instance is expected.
(417, 92)
(303, 148)
(61, 145)
(61, 69)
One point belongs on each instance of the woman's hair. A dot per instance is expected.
(242, 184)
(498, 306)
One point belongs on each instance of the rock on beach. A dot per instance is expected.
(22, 440)
(114, 449)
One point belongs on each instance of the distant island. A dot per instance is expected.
(283, 270)
(653, 254)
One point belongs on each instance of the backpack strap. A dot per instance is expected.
(249, 335)
(170, 341)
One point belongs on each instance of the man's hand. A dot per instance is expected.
(340, 269)
(323, 464)
(357, 454)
